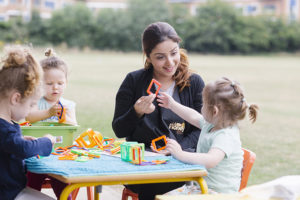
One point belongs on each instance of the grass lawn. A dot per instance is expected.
(270, 81)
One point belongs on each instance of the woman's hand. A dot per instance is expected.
(144, 105)
(173, 147)
(165, 100)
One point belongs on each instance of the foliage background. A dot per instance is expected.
(216, 28)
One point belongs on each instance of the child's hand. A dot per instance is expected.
(55, 110)
(165, 100)
(163, 151)
(173, 147)
(52, 138)
(27, 137)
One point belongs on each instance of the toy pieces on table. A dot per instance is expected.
(68, 157)
(115, 150)
(62, 113)
(159, 143)
(39, 157)
(127, 151)
(94, 154)
(83, 159)
(136, 155)
(155, 162)
(153, 81)
(94, 137)
(26, 123)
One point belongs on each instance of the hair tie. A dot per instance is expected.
(232, 83)
(247, 104)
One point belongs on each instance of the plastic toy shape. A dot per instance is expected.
(82, 159)
(98, 139)
(26, 123)
(115, 150)
(136, 155)
(95, 138)
(93, 154)
(159, 143)
(62, 114)
(153, 81)
(127, 150)
(68, 157)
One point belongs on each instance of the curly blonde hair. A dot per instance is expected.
(19, 71)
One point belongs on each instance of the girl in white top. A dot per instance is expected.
(55, 81)
(219, 145)
(48, 109)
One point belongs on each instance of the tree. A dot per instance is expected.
(211, 29)
(73, 25)
(141, 13)
(112, 30)
(37, 29)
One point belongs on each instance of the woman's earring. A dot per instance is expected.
(147, 63)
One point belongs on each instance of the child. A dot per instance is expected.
(19, 91)
(219, 145)
(55, 80)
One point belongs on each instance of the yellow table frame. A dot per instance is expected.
(84, 181)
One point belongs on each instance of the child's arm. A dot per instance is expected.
(38, 115)
(209, 160)
(186, 113)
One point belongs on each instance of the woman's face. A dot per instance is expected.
(165, 58)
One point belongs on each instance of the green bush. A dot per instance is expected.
(73, 25)
(217, 27)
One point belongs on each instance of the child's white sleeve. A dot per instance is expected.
(202, 121)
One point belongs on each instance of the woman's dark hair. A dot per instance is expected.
(159, 32)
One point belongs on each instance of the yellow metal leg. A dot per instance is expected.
(203, 185)
(65, 193)
(96, 194)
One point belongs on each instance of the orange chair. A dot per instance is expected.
(128, 193)
(249, 158)
(89, 190)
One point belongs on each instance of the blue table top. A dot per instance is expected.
(106, 165)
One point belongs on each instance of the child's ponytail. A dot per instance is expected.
(50, 52)
(253, 112)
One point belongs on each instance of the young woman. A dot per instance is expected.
(137, 115)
